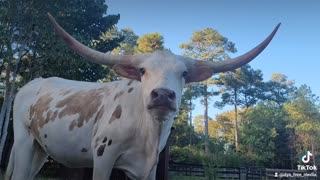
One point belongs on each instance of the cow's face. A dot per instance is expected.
(163, 77)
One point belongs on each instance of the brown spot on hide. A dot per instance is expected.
(99, 114)
(85, 103)
(40, 113)
(100, 150)
(29, 130)
(130, 82)
(116, 114)
(104, 140)
(110, 142)
(72, 125)
(130, 90)
(84, 150)
(118, 95)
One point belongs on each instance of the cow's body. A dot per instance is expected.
(121, 124)
(75, 122)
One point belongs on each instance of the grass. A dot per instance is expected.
(186, 178)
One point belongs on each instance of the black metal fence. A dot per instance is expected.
(239, 173)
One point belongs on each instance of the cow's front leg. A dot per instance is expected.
(104, 158)
(153, 173)
(103, 164)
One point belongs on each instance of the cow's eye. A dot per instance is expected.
(184, 74)
(142, 71)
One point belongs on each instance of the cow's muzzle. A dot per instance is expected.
(163, 99)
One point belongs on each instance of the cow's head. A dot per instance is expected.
(162, 74)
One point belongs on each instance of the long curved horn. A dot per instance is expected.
(231, 64)
(88, 53)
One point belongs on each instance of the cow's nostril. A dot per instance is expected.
(154, 94)
(172, 95)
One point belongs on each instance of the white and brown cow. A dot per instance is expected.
(122, 124)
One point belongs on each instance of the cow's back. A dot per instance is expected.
(52, 88)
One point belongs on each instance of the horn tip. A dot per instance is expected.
(51, 18)
(278, 25)
(49, 15)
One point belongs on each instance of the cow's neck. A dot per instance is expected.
(154, 136)
(151, 129)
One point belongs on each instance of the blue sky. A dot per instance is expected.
(293, 52)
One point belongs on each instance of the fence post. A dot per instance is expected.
(163, 164)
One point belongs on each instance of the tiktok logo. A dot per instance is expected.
(306, 158)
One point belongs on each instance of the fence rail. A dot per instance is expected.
(240, 173)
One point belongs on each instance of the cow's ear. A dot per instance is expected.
(128, 71)
(199, 71)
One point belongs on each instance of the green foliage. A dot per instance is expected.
(213, 126)
(45, 54)
(183, 134)
(226, 127)
(303, 118)
(258, 134)
(229, 159)
(278, 89)
(150, 42)
(207, 44)
(242, 87)
(187, 154)
(132, 44)
(129, 45)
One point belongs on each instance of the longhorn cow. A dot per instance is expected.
(122, 124)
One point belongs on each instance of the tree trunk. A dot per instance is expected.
(190, 121)
(236, 133)
(6, 111)
(312, 149)
(3, 113)
(2, 64)
(4, 132)
(1, 67)
(206, 123)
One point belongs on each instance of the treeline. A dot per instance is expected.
(273, 123)
(275, 131)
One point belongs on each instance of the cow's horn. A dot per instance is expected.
(88, 53)
(231, 64)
